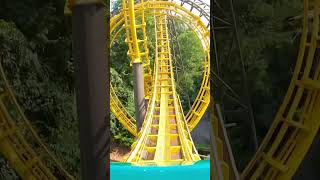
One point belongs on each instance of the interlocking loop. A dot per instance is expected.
(178, 12)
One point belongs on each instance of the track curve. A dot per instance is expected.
(278, 157)
(201, 102)
(298, 118)
(19, 142)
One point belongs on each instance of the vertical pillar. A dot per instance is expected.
(245, 81)
(92, 88)
(138, 83)
(138, 77)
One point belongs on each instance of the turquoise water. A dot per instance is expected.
(124, 171)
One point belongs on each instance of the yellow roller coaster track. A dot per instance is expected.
(298, 119)
(138, 48)
(201, 102)
(221, 153)
(19, 142)
(280, 154)
(164, 138)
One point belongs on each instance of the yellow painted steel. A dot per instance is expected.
(222, 151)
(278, 157)
(121, 114)
(202, 100)
(298, 119)
(19, 142)
(164, 138)
(137, 48)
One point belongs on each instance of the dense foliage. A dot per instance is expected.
(35, 48)
(269, 46)
(188, 82)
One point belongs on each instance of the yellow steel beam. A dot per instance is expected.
(201, 102)
(278, 161)
(132, 36)
(297, 121)
(165, 137)
(29, 157)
